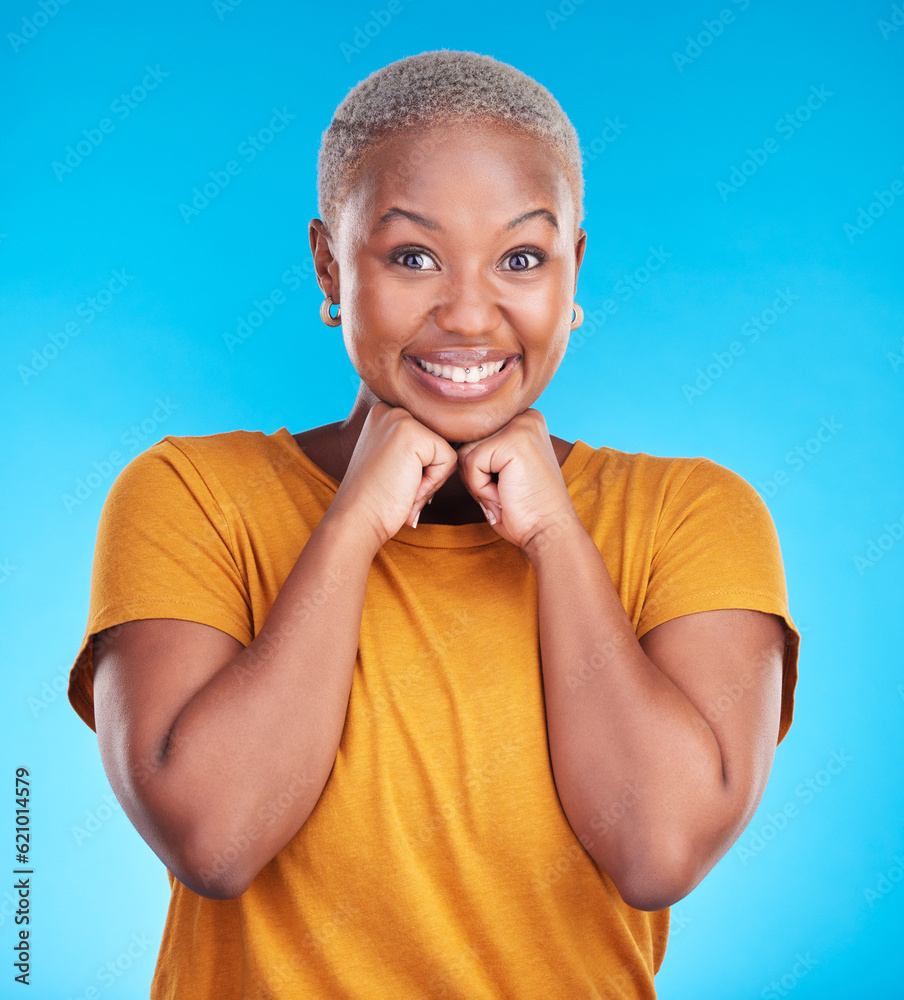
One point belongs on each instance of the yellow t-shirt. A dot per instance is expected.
(438, 860)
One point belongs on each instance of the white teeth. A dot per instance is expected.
(472, 374)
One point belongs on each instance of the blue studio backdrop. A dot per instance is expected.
(743, 294)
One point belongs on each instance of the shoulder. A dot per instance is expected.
(658, 495)
(661, 475)
(216, 470)
(212, 454)
(216, 447)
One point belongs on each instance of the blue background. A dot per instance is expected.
(825, 885)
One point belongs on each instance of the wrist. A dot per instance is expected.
(552, 535)
(351, 532)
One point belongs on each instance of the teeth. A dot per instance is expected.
(476, 373)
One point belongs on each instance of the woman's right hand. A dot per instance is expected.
(396, 467)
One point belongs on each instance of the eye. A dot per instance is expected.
(405, 254)
(519, 259)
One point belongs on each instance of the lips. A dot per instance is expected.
(463, 359)
(445, 388)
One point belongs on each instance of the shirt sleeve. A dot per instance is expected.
(164, 549)
(716, 547)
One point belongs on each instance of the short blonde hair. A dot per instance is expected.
(433, 87)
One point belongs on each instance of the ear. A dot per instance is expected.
(580, 245)
(325, 263)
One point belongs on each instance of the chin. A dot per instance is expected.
(469, 428)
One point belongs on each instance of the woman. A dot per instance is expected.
(429, 702)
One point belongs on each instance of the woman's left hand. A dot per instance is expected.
(529, 496)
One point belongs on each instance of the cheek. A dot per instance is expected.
(555, 350)
(373, 361)
(544, 325)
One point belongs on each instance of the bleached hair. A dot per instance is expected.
(436, 87)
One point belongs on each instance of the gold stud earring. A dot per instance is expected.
(578, 317)
(327, 316)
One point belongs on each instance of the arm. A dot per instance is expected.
(655, 782)
(219, 752)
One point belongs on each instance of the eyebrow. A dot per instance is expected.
(431, 224)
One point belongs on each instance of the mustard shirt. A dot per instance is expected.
(438, 861)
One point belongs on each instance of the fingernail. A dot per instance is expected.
(486, 513)
(416, 517)
(430, 500)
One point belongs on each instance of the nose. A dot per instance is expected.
(468, 306)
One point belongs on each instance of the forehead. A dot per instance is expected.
(481, 171)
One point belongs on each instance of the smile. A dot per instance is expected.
(455, 382)
(476, 373)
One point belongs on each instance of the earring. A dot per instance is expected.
(578, 316)
(327, 316)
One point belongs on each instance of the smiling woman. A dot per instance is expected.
(386, 748)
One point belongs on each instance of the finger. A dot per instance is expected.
(480, 482)
(491, 512)
(417, 510)
(437, 467)
(474, 467)
(433, 478)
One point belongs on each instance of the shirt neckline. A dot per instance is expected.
(439, 536)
